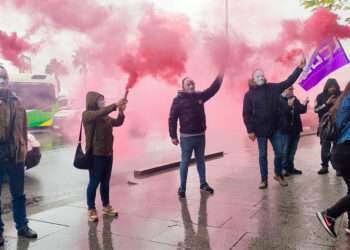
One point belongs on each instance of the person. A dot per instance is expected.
(291, 127)
(324, 102)
(188, 108)
(98, 128)
(340, 159)
(13, 150)
(261, 115)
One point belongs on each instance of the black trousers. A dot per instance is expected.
(326, 147)
(341, 160)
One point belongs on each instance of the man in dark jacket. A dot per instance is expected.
(324, 102)
(13, 151)
(291, 127)
(261, 115)
(188, 108)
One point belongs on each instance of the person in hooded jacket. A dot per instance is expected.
(291, 127)
(323, 104)
(261, 114)
(98, 127)
(188, 109)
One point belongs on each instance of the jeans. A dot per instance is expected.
(15, 173)
(289, 150)
(99, 174)
(277, 140)
(325, 152)
(188, 145)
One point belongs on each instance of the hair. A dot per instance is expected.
(255, 70)
(331, 83)
(335, 107)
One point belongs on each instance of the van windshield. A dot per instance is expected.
(35, 95)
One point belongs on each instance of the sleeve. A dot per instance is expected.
(173, 118)
(119, 120)
(25, 128)
(248, 113)
(290, 80)
(91, 116)
(319, 106)
(213, 89)
(299, 108)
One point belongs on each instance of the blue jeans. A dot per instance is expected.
(277, 141)
(100, 174)
(188, 145)
(15, 173)
(289, 150)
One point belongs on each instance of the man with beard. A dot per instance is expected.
(324, 102)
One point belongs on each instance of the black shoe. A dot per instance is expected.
(28, 233)
(207, 188)
(2, 240)
(181, 193)
(338, 173)
(323, 171)
(347, 230)
(327, 223)
(263, 184)
(295, 172)
(286, 173)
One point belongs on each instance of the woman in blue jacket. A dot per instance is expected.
(341, 160)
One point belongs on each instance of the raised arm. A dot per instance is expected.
(290, 80)
(92, 115)
(119, 120)
(213, 89)
(299, 108)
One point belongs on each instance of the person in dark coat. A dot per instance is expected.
(291, 128)
(323, 104)
(261, 115)
(188, 109)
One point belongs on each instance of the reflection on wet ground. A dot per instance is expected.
(238, 215)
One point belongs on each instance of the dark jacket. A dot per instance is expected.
(93, 117)
(261, 106)
(12, 109)
(189, 109)
(290, 119)
(321, 107)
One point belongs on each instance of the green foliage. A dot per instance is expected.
(334, 5)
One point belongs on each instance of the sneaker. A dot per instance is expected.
(327, 223)
(207, 188)
(92, 214)
(281, 180)
(263, 184)
(28, 233)
(295, 171)
(2, 240)
(181, 193)
(323, 170)
(110, 211)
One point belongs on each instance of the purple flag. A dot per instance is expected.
(328, 57)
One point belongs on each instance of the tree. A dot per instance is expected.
(57, 69)
(334, 5)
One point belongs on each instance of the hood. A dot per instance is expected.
(91, 100)
(182, 93)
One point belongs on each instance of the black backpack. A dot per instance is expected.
(327, 128)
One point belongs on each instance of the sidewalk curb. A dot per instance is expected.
(172, 165)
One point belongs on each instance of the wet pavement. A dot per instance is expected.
(237, 216)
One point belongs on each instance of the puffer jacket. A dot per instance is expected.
(98, 119)
(11, 109)
(261, 106)
(189, 109)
